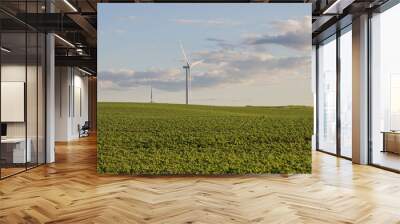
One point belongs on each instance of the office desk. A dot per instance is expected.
(391, 141)
(13, 150)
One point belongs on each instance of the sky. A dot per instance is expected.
(251, 54)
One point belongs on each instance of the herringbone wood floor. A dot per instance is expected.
(70, 191)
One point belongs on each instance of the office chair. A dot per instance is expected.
(84, 130)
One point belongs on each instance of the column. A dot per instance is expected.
(360, 90)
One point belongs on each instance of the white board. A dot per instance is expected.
(12, 101)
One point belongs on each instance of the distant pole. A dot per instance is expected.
(187, 82)
(151, 94)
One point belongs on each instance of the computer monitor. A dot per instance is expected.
(3, 129)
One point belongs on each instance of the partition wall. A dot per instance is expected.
(22, 77)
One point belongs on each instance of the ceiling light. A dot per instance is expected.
(84, 71)
(70, 5)
(5, 50)
(65, 41)
(333, 6)
(79, 51)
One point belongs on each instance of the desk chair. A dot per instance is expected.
(84, 130)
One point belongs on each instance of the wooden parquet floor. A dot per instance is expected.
(70, 191)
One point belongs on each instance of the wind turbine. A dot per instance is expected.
(187, 68)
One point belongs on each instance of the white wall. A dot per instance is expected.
(33, 126)
(81, 82)
(62, 82)
(70, 83)
(12, 73)
(79, 117)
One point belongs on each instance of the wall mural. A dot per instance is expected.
(206, 89)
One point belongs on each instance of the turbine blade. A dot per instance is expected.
(196, 63)
(184, 54)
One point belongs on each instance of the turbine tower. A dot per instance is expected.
(187, 68)
(151, 93)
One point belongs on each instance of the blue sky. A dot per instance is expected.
(249, 52)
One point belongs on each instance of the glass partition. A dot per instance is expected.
(22, 77)
(385, 89)
(13, 114)
(346, 92)
(327, 95)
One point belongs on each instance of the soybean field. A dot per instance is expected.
(171, 139)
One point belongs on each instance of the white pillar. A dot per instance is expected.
(50, 99)
(63, 101)
(360, 90)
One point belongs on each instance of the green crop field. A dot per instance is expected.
(169, 139)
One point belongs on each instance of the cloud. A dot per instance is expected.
(125, 78)
(247, 62)
(210, 22)
(222, 43)
(295, 34)
(220, 67)
(248, 67)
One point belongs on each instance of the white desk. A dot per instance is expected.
(18, 145)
